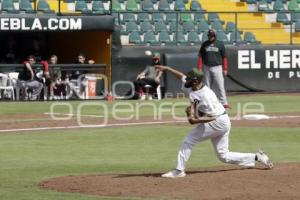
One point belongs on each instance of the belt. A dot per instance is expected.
(213, 65)
(224, 113)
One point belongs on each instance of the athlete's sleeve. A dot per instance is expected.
(225, 64)
(200, 63)
(186, 90)
(224, 58)
(200, 59)
(45, 65)
(192, 99)
(146, 70)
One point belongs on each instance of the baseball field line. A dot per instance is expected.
(49, 117)
(73, 115)
(122, 124)
(88, 126)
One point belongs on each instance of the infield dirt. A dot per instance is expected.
(221, 183)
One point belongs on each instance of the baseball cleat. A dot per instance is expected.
(174, 174)
(264, 159)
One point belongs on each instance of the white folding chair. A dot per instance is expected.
(6, 84)
(158, 92)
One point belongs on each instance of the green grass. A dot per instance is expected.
(29, 158)
(271, 104)
(26, 159)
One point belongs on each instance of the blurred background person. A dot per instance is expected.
(150, 76)
(58, 80)
(78, 81)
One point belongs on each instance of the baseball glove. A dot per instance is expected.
(190, 112)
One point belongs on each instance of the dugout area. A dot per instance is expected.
(93, 38)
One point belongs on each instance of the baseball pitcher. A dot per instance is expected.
(212, 123)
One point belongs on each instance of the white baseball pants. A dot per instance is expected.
(218, 131)
(214, 79)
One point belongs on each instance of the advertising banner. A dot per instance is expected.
(29, 23)
(265, 68)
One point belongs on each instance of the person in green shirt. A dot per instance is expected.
(211, 59)
(150, 76)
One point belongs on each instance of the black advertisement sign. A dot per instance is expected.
(251, 68)
(266, 68)
(56, 23)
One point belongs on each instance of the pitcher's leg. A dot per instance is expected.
(221, 146)
(194, 137)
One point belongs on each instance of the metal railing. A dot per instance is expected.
(92, 68)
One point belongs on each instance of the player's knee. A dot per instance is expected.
(187, 143)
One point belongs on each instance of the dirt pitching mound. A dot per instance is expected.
(222, 183)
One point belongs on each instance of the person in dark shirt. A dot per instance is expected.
(78, 81)
(211, 58)
(27, 83)
(81, 59)
(28, 73)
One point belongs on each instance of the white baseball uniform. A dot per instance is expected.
(217, 130)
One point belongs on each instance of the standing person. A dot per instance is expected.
(150, 76)
(211, 58)
(213, 123)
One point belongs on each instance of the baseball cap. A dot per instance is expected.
(195, 74)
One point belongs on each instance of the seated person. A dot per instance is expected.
(28, 81)
(58, 82)
(81, 59)
(78, 82)
(150, 76)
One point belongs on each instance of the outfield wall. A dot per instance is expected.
(251, 68)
